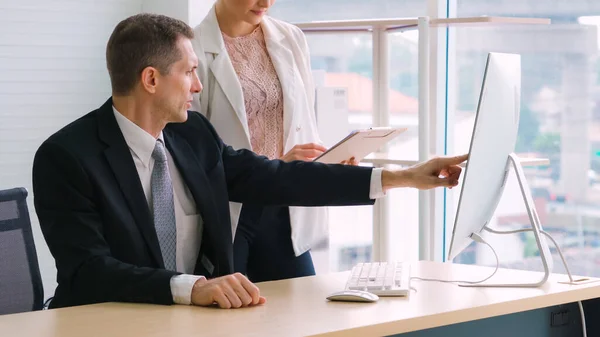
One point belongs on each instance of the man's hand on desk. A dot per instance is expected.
(231, 291)
(436, 172)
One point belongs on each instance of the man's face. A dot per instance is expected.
(175, 89)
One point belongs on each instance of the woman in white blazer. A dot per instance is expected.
(259, 95)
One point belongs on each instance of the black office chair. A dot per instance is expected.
(20, 280)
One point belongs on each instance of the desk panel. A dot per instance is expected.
(298, 308)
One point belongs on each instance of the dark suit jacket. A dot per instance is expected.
(96, 221)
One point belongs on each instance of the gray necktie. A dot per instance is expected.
(162, 205)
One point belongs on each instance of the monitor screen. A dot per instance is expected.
(494, 138)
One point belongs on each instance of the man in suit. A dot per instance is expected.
(133, 197)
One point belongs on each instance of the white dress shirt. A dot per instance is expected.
(187, 219)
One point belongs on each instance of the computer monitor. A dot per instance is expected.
(491, 155)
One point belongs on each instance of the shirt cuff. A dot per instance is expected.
(376, 190)
(181, 288)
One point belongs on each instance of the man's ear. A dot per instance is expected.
(149, 79)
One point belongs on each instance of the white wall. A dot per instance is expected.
(176, 9)
(52, 70)
(198, 10)
(190, 11)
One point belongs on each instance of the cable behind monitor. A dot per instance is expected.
(562, 257)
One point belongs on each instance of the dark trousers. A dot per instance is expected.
(262, 248)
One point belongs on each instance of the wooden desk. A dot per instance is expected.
(298, 308)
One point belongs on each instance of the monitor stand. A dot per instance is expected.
(542, 244)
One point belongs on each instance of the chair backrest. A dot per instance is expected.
(20, 281)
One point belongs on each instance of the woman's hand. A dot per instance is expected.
(352, 161)
(304, 152)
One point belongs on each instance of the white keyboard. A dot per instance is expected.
(381, 278)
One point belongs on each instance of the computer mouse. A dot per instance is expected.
(353, 296)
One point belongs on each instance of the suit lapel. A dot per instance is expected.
(196, 180)
(193, 174)
(121, 162)
(222, 68)
(223, 71)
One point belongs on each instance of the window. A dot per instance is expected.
(345, 60)
(560, 120)
(326, 10)
(403, 106)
